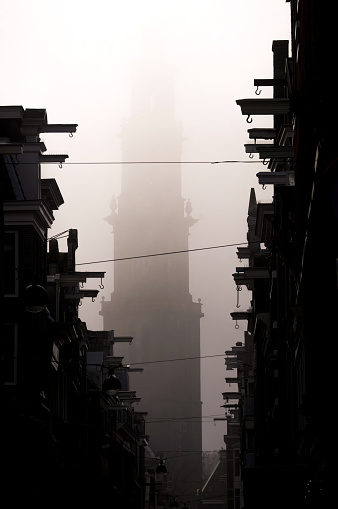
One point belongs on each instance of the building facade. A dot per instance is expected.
(69, 432)
(287, 450)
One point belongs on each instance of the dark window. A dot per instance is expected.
(9, 353)
(237, 462)
(237, 499)
(10, 262)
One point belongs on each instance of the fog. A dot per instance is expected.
(76, 60)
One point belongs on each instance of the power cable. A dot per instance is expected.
(226, 161)
(178, 359)
(165, 420)
(160, 419)
(191, 451)
(102, 366)
(60, 236)
(163, 254)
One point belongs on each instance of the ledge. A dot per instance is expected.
(58, 128)
(51, 193)
(231, 395)
(262, 133)
(28, 212)
(264, 106)
(11, 148)
(50, 158)
(272, 151)
(7, 112)
(243, 253)
(280, 178)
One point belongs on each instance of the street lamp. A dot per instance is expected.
(111, 385)
(161, 469)
(35, 298)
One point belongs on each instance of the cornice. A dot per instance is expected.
(28, 213)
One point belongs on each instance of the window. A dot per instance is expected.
(237, 498)
(11, 264)
(9, 345)
(237, 462)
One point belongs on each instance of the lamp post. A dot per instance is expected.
(160, 481)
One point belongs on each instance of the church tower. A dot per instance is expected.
(151, 300)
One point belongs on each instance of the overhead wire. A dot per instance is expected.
(178, 359)
(226, 161)
(164, 253)
(164, 420)
(179, 418)
(61, 236)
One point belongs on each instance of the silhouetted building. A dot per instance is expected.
(288, 451)
(151, 299)
(69, 432)
(28, 453)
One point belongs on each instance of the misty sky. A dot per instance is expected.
(75, 58)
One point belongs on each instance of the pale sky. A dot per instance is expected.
(74, 58)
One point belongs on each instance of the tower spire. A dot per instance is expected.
(151, 299)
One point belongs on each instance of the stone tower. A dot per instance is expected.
(151, 300)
